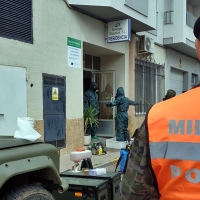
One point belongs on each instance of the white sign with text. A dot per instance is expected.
(119, 31)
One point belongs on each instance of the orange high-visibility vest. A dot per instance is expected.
(174, 142)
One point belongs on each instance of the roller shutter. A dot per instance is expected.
(176, 81)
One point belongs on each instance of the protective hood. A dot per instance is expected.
(92, 84)
(120, 91)
(108, 88)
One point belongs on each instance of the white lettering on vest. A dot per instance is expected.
(175, 171)
(184, 127)
(191, 175)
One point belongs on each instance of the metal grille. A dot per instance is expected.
(149, 85)
(16, 20)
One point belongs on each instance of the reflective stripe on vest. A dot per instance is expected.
(175, 150)
(174, 140)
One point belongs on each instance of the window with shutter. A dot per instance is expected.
(16, 20)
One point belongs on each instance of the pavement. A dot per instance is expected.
(111, 157)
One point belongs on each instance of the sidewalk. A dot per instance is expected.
(97, 161)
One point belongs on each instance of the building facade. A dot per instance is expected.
(52, 49)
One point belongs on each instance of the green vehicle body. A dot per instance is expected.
(26, 162)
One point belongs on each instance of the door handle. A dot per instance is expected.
(1, 114)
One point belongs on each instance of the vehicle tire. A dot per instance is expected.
(28, 192)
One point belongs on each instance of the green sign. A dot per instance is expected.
(74, 42)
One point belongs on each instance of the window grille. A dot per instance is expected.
(149, 85)
(16, 20)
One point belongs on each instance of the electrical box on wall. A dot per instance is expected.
(145, 45)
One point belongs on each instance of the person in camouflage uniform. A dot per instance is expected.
(138, 182)
(170, 93)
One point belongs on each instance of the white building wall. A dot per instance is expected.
(151, 20)
(180, 33)
(160, 55)
(158, 37)
(176, 30)
(196, 11)
(189, 65)
(53, 22)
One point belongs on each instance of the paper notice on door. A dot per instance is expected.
(54, 94)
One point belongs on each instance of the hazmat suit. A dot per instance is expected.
(122, 104)
(91, 99)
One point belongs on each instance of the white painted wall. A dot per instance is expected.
(176, 30)
(189, 66)
(159, 55)
(115, 63)
(160, 8)
(120, 5)
(150, 20)
(179, 29)
(196, 11)
(53, 22)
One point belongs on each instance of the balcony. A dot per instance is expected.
(142, 13)
(178, 26)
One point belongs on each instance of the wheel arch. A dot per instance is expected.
(41, 167)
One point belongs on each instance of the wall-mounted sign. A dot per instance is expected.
(54, 94)
(119, 31)
(74, 52)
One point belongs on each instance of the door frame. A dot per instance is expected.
(106, 121)
(55, 142)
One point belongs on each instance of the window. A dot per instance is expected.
(149, 85)
(194, 79)
(91, 62)
(16, 20)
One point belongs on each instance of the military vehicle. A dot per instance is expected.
(30, 171)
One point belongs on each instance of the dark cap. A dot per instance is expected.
(170, 94)
(196, 29)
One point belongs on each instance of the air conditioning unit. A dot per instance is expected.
(145, 45)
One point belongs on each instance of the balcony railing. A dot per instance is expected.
(190, 19)
(168, 17)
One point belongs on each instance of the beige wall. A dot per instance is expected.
(53, 22)
(116, 63)
(134, 121)
(74, 138)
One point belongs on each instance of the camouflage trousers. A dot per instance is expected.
(127, 193)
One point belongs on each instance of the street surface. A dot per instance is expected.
(111, 168)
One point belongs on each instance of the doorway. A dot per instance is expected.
(54, 112)
(106, 85)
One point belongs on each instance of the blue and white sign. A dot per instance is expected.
(119, 31)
